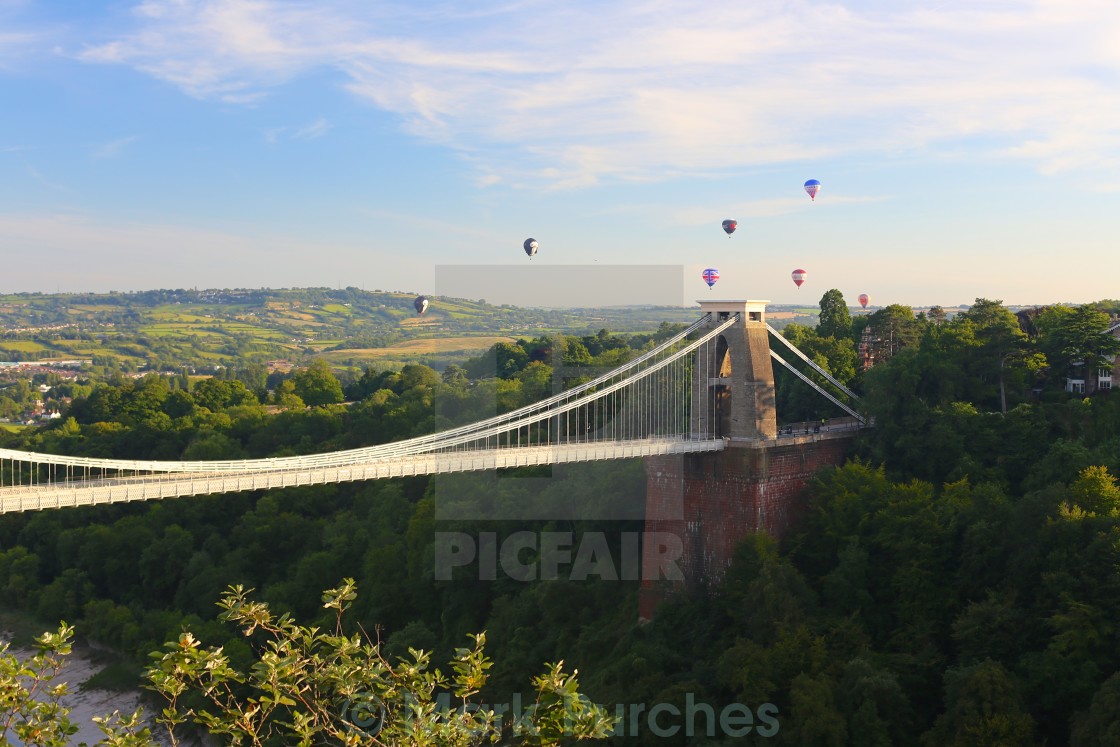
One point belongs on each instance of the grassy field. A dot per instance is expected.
(413, 348)
(85, 349)
(23, 346)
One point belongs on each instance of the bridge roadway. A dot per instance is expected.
(173, 485)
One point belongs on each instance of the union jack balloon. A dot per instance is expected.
(710, 275)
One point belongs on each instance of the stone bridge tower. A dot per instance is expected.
(737, 379)
(699, 506)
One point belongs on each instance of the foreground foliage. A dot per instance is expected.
(304, 686)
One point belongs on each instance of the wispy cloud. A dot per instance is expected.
(311, 131)
(43, 180)
(111, 149)
(569, 100)
(231, 50)
(316, 129)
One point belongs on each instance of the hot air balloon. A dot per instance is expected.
(530, 247)
(729, 226)
(799, 277)
(864, 299)
(812, 187)
(420, 304)
(710, 275)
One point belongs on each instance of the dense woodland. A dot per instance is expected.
(956, 583)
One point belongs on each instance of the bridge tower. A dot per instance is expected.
(737, 379)
(700, 506)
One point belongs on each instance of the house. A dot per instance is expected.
(1080, 381)
(867, 347)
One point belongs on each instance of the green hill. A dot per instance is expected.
(168, 329)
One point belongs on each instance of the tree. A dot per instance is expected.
(305, 686)
(575, 352)
(415, 375)
(454, 376)
(218, 394)
(372, 380)
(536, 381)
(983, 709)
(504, 359)
(143, 401)
(1100, 724)
(317, 385)
(285, 396)
(253, 376)
(1095, 491)
(816, 720)
(509, 358)
(1002, 341)
(835, 320)
(179, 404)
(877, 709)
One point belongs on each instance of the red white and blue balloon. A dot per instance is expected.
(710, 275)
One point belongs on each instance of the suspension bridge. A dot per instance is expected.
(706, 389)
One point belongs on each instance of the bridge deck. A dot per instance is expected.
(172, 485)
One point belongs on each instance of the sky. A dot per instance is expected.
(965, 149)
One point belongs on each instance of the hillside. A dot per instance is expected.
(169, 329)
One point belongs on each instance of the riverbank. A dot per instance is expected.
(86, 703)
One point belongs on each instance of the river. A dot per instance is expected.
(85, 704)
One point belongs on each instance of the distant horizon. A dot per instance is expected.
(489, 302)
(697, 295)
